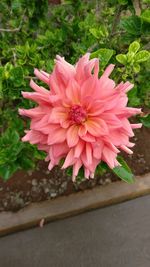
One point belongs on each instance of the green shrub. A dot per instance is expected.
(33, 32)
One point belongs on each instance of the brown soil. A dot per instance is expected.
(24, 188)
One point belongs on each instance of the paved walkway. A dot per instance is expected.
(116, 236)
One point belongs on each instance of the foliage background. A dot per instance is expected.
(33, 32)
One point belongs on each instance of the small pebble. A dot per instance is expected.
(130, 156)
(20, 202)
(140, 156)
(47, 172)
(46, 190)
(44, 181)
(5, 203)
(34, 182)
(107, 181)
(101, 182)
(34, 188)
(64, 184)
(53, 195)
(141, 160)
(30, 173)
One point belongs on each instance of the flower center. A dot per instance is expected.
(77, 114)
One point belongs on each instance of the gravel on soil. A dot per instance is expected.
(26, 187)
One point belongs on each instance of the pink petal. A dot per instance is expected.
(34, 137)
(38, 89)
(86, 173)
(77, 165)
(136, 125)
(78, 149)
(57, 136)
(82, 130)
(127, 127)
(109, 157)
(80, 66)
(88, 138)
(126, 149)
(64, 70)
(69, 159)
(60, 149)
(88, 88)
(89, 153)
(128, 112)
(58, 115)
(96, 127)
(73, 92)
(72, 135)
(37, 97)
(36, 112)
(97, 150)
(41, 76)
(117, 137)
(111, 120)
(108, 70)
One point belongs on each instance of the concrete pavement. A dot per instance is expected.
(115, 236)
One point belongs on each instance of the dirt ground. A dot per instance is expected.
(24, 188)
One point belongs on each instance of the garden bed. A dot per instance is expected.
(24, 188)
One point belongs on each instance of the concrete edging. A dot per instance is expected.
(73, 204)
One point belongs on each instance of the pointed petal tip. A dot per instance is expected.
(73, 178)
(31, 82)
(109, 70)
(21, 111)
(50, 166)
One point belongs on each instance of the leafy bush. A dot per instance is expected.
(33, 32)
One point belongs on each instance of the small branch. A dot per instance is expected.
(30, 77)
(137, 7)
(16, 29)
(90, 49)
(10, 30)
(42, 47)
(117, 32)
(116, 21)
(14, 57)
(147, 46)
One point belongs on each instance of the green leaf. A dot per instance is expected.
(146, 15)
(104, 55)
(130, 57)
(136, 68)
(26, 163)
(16, 75)
(123, 2)
(134, 47)
(146, 121)
(121, 58)
(132, 25)
(142, 56)
(101, 168)
(94, 32)
(16, 5)
(99, 32)
(124, 171)
(69, 171)
(6, 171)
(134, 100)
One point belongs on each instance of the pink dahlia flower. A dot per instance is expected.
(82, 118)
